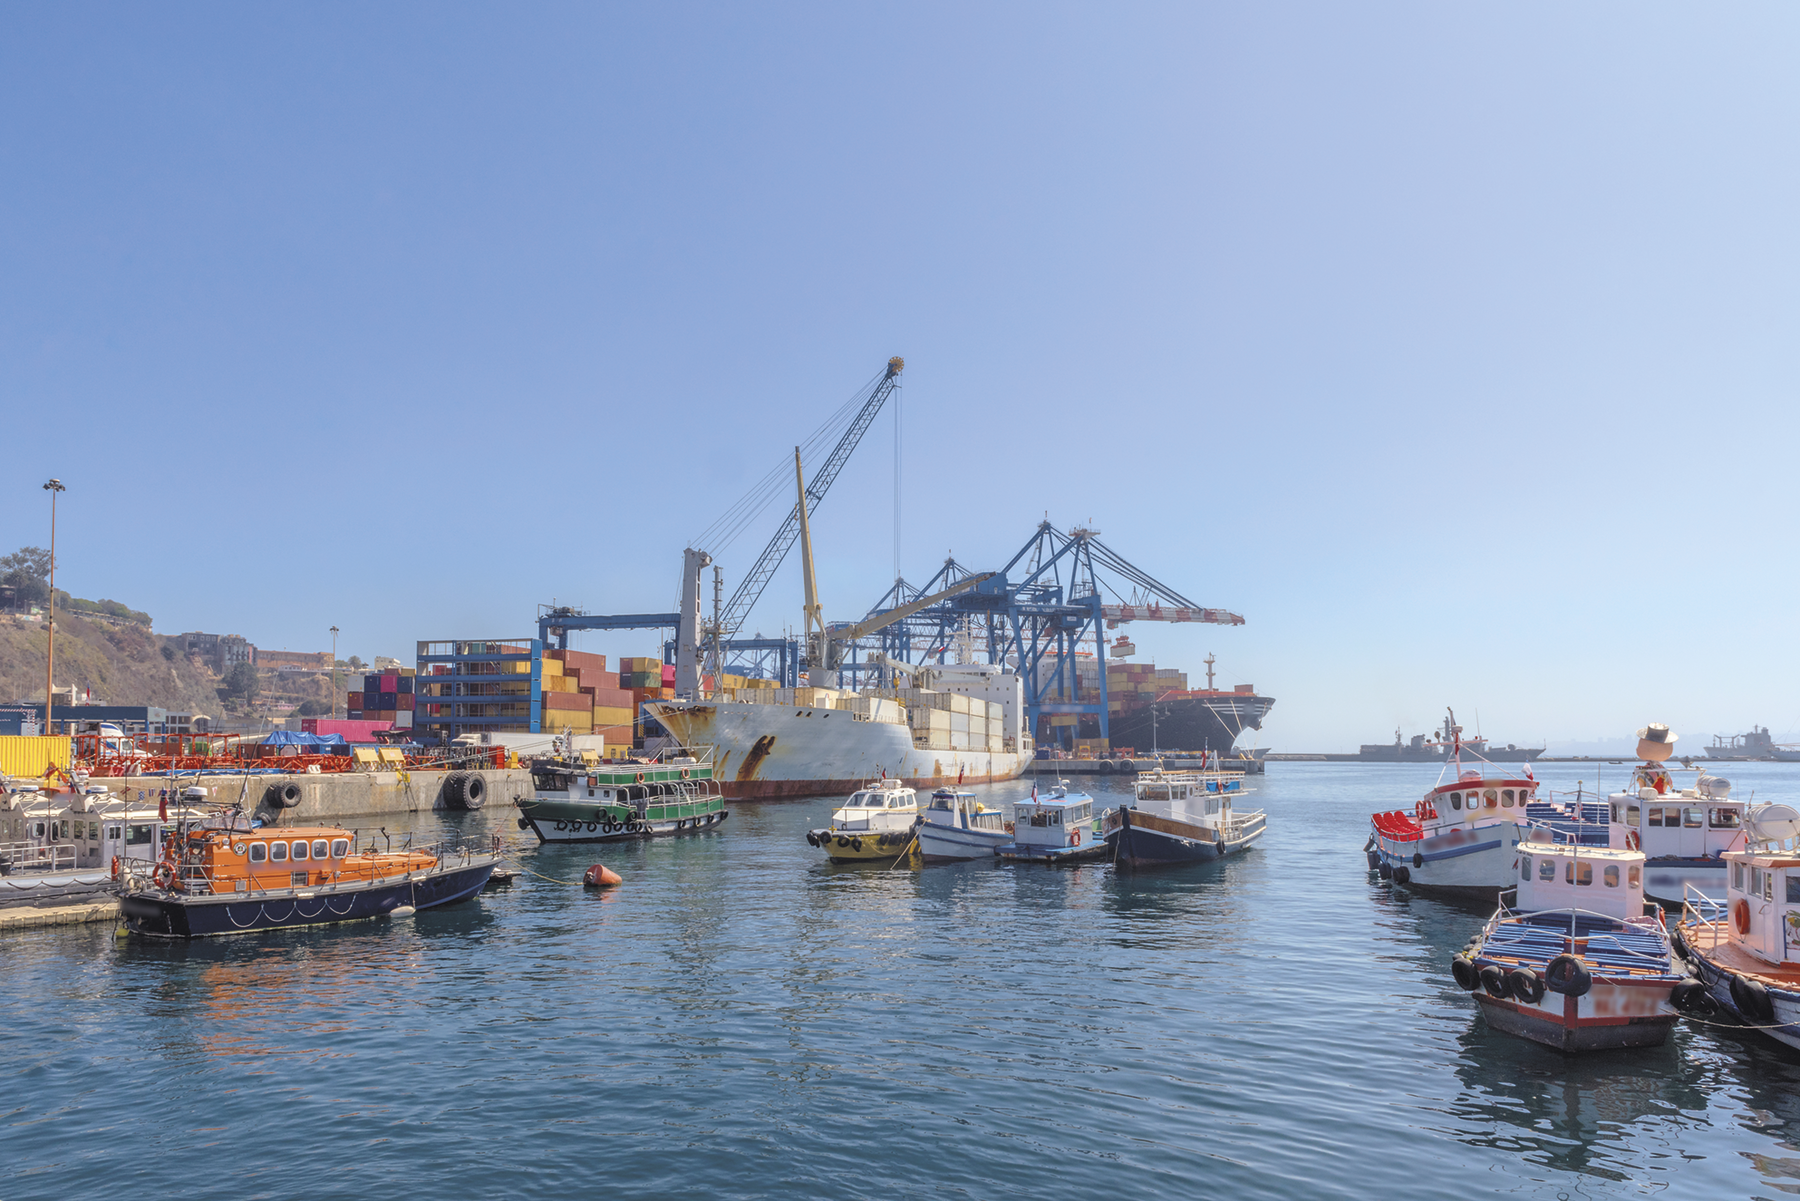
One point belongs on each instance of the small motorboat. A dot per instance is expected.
(1182, 817)
(1745, 947)
(1683, 831)
(956, 826)
(876, 823)
(1059, 828)
(574, 800)
(1580, 962)
(226, 874)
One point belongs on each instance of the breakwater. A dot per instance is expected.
(329, 796)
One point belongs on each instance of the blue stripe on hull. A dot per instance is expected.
(207, 917)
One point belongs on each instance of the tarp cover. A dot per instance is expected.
(318, 744)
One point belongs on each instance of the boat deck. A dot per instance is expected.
(1715, 943)
(1606, 952)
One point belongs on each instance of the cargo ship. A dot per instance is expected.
(801, 742)
(1151, 708)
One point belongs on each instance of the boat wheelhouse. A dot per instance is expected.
(1743, 943)
(226, 874)
(1683, 832)
(1580, 962)
(1181, 817)
(577, 800)
(1058, 828)
(956, 826)
(876, 822)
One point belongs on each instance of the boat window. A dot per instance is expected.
(895, 802)
(299, 848)
(1693, 818)
(137, 836)
(1724, 819)
(1579, 873)
(1656, 816)
(278, 852)
(938, 802)
(259, 851)
(1506, 798)
(1524, 867)
(340, 847)
(1755, 881)
(1547, 869)
(1040, 818)
(321, 849)
(1492, 798)
(1610, 876)
(114, 832)
(1056, 817)
(1632, 813)
(1456, 800)
(1737, 876)
(1634, 879)
(1793, 889)
(1768, 886)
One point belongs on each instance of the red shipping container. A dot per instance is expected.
(353, 730)
(583, 662)
(405, 700)
(668, 675)
(578, 702)
(356, 700)
(614, 698)
(390, 683)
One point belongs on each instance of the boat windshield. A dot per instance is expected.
(864, 800)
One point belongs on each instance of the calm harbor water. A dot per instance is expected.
(741, 1019)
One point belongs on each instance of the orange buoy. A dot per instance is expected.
(601, 876)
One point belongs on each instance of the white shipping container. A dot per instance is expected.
(959, 723)
(995, 744)
(959, 740)
(959, 703)
(978, 728)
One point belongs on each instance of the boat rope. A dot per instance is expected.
(907, 851)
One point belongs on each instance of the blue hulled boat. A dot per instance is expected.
(1181, 817)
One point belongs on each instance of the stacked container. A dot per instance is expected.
(385, 698)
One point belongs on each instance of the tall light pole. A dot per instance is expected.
(334, 675)
(53, 487)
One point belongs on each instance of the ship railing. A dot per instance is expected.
(1705, 910)
(139, 875)
(31, 856)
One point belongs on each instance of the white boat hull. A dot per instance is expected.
(945, 843)
(794, 751)
(1475, 860)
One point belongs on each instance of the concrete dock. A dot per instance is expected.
(329, 796)
(33, 917)
(1128, 767)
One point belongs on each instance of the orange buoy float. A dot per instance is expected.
(601, 876)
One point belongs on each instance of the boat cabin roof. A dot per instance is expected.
(890, 798)
(1055, 802)
(1479, 784)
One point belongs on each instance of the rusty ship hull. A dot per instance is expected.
(764, 751)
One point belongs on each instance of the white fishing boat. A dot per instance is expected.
(1684, 832)
(1743, 942)
(875, 823)
(1058, 828)
(955, 826)
(1580, 962)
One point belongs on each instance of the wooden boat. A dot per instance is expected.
(876, 823)
(1059, 828)
(1181, 817)
(574, 800)
(1582, 963)
(225, 874)
(956, 826)
(1744, 948)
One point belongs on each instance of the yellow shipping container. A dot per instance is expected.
(552, 667)
(561, 684)
(555, 721)
(515, 667)
(605, 717)
(31, 757)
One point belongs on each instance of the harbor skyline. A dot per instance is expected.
(1449, 348)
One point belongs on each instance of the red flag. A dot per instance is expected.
(162, 806)
(959, 774)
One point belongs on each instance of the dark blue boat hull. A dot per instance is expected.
(177, 916)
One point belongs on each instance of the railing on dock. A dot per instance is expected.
(31, 856)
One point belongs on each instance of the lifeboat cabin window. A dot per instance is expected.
(1633, 878)
(1611, 875)
(259, 851)
(1547, 869)
(1578, 873)
(1456, 800)
(1492, 797)
(278, 852)
(1724, 819)
(340, 847)
(137, 836)
(299, 848)
(320, 848)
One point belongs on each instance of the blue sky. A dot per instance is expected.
(1454, 346)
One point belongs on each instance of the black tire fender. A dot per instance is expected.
(1752, 999)
(856, 844)
(1418, 859)
(1525, 985)
(1494, 981)
(1402, 876)
(523, 824)
(1679, 941)
(1567, 976)
(1467, 977)
(284, 794)
(452, 790)
(1383, 870)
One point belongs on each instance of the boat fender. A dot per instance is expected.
(474, 791)
(1525, 985)
(284, 795)
(1493, 979)
(1383, 870)
(524, 824)
(1467, 978)
(812, 840)
(600, 876)
(601, 815)
(1567, 976)
(1418, 859)
(842, 841)
(1679, 941)
(1751, 999)
(1691, 997)
(1402, 875)
(856, 844)
(1369, 846)
(115, 867)
(1374, 862)
(1740, 915)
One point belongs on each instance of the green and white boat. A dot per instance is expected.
(578, 801)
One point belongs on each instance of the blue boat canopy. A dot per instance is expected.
(323, 744)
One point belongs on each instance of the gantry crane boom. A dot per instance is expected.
(758, 577)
